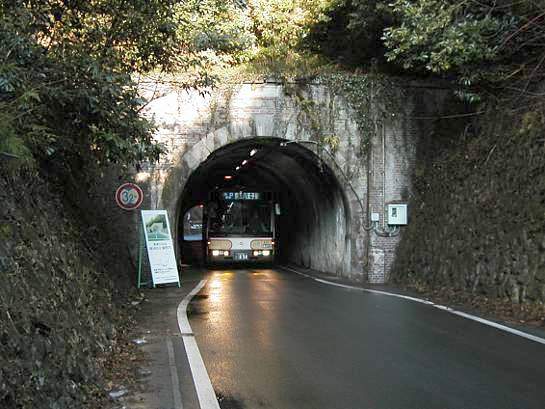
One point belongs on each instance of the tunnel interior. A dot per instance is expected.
(313, 225)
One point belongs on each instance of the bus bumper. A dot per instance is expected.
(240, 256)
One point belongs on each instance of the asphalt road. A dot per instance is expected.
(274, 339)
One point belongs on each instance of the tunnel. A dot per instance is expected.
(312, 227)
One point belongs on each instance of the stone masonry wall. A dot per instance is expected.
(193, 125)
(478, 208)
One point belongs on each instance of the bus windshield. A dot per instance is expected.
(239, 217)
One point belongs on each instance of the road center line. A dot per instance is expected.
(493, 324)
(203, 385)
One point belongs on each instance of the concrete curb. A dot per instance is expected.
(203, 385)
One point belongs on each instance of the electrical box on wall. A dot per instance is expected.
(397, 214)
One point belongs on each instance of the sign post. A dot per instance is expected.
(129, 196)
(141, 245)
(160, 247)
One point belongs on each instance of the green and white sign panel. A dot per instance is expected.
(160, 247)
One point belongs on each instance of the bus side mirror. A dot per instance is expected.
(277, 209)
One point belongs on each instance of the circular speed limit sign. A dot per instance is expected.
(129, 196)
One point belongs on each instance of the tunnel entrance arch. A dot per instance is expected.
(314, 222)
(369, 171)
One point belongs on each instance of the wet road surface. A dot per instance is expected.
(274, 339)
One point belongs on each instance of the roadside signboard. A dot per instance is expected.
(160, 247)
(129, 196)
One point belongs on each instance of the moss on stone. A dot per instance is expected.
(478, 214)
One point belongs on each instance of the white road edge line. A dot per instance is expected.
(203, 385)
(177, 396)
(501, 327)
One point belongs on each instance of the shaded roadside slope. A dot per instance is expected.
(57, 314)
(478, 213)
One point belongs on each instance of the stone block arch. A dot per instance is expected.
(197, 129)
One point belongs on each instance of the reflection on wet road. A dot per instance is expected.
(273, 339)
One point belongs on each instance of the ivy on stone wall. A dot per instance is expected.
(373, 97)
(375, 100)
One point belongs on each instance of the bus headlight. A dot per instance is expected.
(226, 253)
(266, 253)
(256, 253)
(215, 253)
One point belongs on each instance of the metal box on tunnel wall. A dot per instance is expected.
(397, 214)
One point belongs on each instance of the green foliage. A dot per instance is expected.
(284, 23)
(286, 35)
(477, 43)
(444, 36)
(135, 35)
(332, 141)
(56, 310)
(482, 45)
(66, 90)
(214, 33)
(350, 32)
(280, 28)
(10, 145)
(283, 66)
(532, 124)
(373, 97)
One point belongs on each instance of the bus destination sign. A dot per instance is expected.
(241, 196)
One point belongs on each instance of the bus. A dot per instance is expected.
(240, 226)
